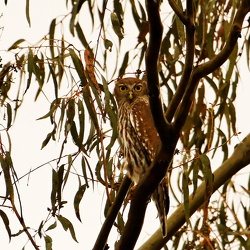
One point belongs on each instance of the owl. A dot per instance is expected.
(138, 138)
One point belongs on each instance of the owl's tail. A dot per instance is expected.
(161, 199)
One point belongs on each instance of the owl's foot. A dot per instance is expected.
(131, 191)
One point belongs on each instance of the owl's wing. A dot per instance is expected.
(143, 123)
(161, 199)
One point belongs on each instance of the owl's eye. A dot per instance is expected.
(138, 88)
(122, 88)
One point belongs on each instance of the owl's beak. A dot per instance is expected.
(130, 94)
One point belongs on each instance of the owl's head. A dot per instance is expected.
(127, 89)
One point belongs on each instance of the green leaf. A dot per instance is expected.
(48, 242)
(84, 172)
(78, 66)
(73, 18)
(208, 175)
(10, 163)
(20, 232)
(223, 220)
(117, 27)
(110, 105)
(52, 226)
(62, 114)
(27, 11)
(51, 37)
(232, 114)
(7, 177)
(15, 44)
(212, 84)
(135, 14)
(6, 222)
(109, 167)
(186, 195)
(118, 9)
(232, 62)
(195, 166)
(61, 57)
(68, 170)
(90, 171)
(210, 129)
(71, 111)
(120, 222)
(54, 80)
(9, 115)
(91, 136)
(224, 144)
(48, 137)
(89, 103)
(124, 64)
(81, 35)
(248, 51)
(181, 31)
(54, 105)
(39, 231)
(67, 225)
(234, 87)
(81, 117)
(77, 200)
(30, 68)
(60, 182)
(53, 195)
(98, 169)
(74, 135)
(97, 98)
(39, 72)
(108, 44)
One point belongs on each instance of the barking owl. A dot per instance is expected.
(139, 138)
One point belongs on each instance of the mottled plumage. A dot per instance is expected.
(139, 138)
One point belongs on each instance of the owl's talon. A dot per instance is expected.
(131, 191)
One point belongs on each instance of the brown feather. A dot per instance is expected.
(139, 138)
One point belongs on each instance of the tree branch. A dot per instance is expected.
(238, 160)
(21, 221)
(235, 33)
(158, 168)
(155, 31)
(178, 11)
(188, 67)
(208, 67)
(112, 214)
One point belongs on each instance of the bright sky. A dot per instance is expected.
(27, 132)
